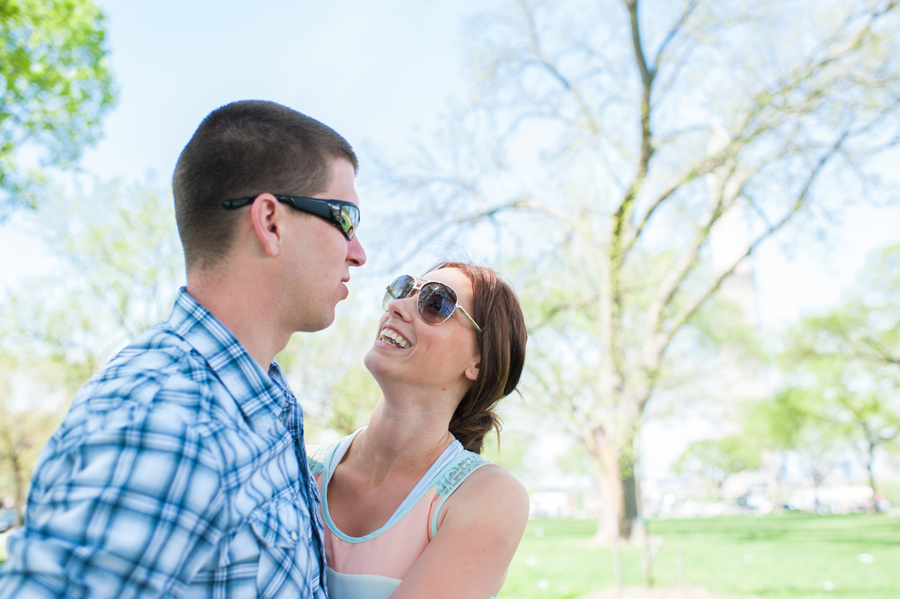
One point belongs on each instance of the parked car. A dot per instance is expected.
(7, 519)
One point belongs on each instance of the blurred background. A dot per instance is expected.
(696, 200)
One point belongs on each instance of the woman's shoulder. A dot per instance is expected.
(491, 493)
(493, 479)
(489, 510)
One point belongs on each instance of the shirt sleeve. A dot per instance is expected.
(129, 509)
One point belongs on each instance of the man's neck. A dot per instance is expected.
(244, 308)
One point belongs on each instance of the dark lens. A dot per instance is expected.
(436, 303)
(349, 220)
(398, 289)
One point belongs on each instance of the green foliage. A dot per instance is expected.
(717, 459)
(724, 324)
(631, 157)
(575, 461)
(779, 557)
(327, 373)
(780, 421)
(511, 450)
(27, 420)
(792, 423)
(843, 371)
(122, 241)
(55, 86)
(117, 267)
(352, 399)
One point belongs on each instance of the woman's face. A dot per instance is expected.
(409, 350)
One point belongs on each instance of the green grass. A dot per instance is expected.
(771, 557)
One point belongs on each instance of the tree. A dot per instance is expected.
(22, 431)
(791, 424)
(56, 87)
(605, 145)
(847, 360)
(717, 459)
(117, 266)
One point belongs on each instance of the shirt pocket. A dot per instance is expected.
(284, 547)
(276, 523)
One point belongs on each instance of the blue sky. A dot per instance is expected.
(375, 72)
(380, 74)
(370, 70)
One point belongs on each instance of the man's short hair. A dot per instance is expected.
(241, 150)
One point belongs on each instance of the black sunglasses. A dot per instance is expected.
(341, 214)
(437, 302)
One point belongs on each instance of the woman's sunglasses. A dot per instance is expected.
(436, 302)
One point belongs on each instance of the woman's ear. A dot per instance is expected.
(472, 371)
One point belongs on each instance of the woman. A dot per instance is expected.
(410, 508)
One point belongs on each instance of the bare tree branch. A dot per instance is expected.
(550, 67)
(665, 338)
(550, 313)
(672, 33)
(623, 214)
(677, 275)
(706, 166)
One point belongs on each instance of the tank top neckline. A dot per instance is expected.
(447, 457)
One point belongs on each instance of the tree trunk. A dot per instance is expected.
(620, 487)
(629, 524)
(873, 505)
(614, 503)
(19, 485)
(817, 484)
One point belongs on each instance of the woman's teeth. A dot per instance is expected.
(394, 338)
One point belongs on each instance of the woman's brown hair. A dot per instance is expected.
(502, 342)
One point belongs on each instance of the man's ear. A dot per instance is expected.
(266, 214)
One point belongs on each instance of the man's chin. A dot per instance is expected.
(319, 324)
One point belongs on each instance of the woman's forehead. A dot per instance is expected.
(455, 278)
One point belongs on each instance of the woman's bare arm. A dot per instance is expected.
(479, 529)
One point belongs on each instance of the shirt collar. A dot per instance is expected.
(253, 389)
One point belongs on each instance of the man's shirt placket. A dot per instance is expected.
(292, 417)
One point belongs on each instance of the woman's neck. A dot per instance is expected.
(402, 439)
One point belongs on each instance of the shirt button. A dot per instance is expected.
(293, 535)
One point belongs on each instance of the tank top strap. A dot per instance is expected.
(325, 458)
(457, 471)
(449, 479)
(319, 458)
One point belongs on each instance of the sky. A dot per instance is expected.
(369, 70)
(381, 74)
(375, 72)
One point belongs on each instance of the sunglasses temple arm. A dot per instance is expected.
(466, 314)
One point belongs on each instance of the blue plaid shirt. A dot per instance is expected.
(179, 471)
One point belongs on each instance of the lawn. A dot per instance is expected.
(772, 557)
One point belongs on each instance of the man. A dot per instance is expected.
(179, 470)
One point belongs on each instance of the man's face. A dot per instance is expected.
(320, 258)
